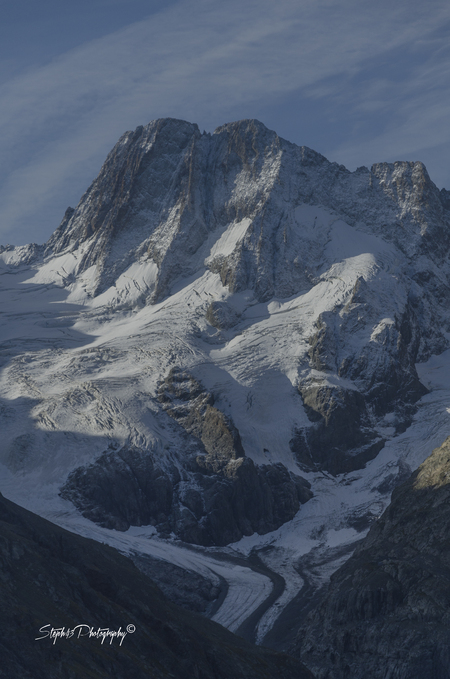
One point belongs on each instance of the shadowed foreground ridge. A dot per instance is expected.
(51, 576)
(387, 610)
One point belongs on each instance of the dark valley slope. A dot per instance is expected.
(386, 612)
(53, 578)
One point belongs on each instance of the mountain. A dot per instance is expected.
(55, 580)
(227, 357)
(386, 612)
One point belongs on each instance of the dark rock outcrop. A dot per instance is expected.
(123, 488)
(245, 498)
(215, 498)
(126, 487)
(386, 612)
(221, 315)
(53, 578)
(340, 440)
(189, 404)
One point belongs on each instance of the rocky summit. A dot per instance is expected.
(225, 359)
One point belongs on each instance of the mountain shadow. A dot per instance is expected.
(54, 579)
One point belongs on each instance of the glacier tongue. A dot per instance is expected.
(298, 296)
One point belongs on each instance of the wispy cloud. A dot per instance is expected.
(208, 61)
(414, 106)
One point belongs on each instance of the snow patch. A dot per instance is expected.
(228, 240)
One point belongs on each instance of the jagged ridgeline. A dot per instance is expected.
(261, 312)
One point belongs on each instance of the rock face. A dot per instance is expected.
(54, 579)
(221, 316)
(217, 498)
(340, 439)
(189, 404)
(386, 612)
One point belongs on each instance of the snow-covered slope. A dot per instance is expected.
(222, 321)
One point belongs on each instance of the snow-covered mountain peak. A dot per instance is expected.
(168, 194)
(223, 320)
(225, 225)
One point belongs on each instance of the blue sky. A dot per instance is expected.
(359, 81)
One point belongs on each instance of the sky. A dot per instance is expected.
(359, 81)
